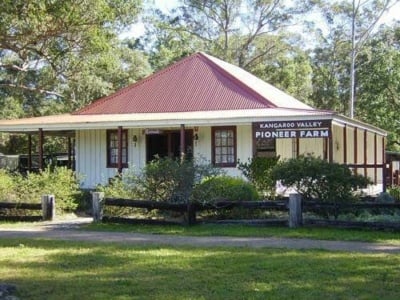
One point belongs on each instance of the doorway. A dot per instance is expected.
(167, 144)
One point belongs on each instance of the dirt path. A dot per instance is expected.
(67, 230)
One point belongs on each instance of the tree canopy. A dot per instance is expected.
(46, 44)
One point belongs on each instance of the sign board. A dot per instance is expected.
(153, 131)
(292, 129)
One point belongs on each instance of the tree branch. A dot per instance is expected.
(31, 89)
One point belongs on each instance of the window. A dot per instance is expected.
(224, 146)
(112, 148)
(265, 147)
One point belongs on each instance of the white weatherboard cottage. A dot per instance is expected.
(203, 106)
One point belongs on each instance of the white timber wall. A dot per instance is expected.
(361, 147)
(202, 147)
(91, 156)
(313, 146)
(285, 148)
(91, 151)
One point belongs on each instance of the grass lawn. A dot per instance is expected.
(69, 270)
(365, 235)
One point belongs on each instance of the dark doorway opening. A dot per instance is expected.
(167, 144)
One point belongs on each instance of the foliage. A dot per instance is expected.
(258, 171)
(348, 28)
(247, 33)
(394, 191)
(379, 83)
(367, 216)
(316, 178)
(59, 181)
(224, 188)
(163, 179)
(7, 185)
(56, 56)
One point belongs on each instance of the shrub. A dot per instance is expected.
(163, 179)
(59, 181)
(122, 186)
(7, 186)
(167, 179)
(224, 188)
(258, 171)
(316, 178)
(394, 191)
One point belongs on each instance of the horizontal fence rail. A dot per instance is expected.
(17, 211)
(294, 205)
(367, 205)
(225, 204)
(14, 205)
(21, 208)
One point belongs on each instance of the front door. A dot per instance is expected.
(167, 144)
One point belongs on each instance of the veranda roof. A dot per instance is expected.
(68, 122)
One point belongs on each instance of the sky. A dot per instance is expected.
(166, 5)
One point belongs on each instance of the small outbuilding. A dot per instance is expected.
(204, 107)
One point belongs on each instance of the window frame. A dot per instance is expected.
(125, 147)
(214, 130)
(264, 147)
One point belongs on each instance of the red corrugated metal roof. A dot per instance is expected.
(196, 83)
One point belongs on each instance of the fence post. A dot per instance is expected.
(191, 214)
(48, 207)
(295, 211)
(97, 206)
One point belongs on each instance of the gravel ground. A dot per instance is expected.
(68, 230)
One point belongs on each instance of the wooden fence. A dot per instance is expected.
(293, 205)
(45, 210)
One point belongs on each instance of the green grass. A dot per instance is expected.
(337, 234)
(69, 270)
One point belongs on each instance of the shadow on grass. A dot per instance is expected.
(66, 270)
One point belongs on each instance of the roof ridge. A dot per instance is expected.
(237, 80)
(219, 63)
(134, 84)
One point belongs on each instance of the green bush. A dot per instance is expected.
(163, 179)
(316, 178)
(7, 186)
(219, 188)
(225, 188)
(394, 191)
(258, 171)
(123, 186)
(59, 181)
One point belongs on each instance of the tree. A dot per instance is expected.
(248, 33)
(362, 11)
(379, 83)
(330, 71)
(43, 44)
(352, 23)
